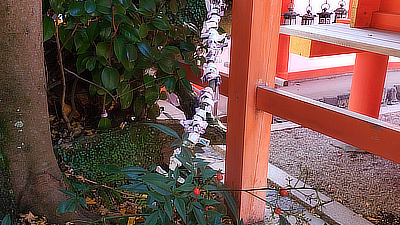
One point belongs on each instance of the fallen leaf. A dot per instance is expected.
(367, 203)
(370, 218)
(90, 201)
(30, 217)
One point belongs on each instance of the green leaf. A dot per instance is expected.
(144, 12)
(160, 23)
(119, 49)
(64, 35)
(103, 49)
(49, 28)
(92, 30)
(105, 30)
(166, 65)
(83, 48)
(131, 33)
(179, 204)
(103, 6)
(170, 51)
(207, 173)
(110, 168)
(148, 80)
(209, 202)
(68, 206)
(155, 196)
(186, 187)
(131, 53)
(161, 39)
(152, 219)
(90, 6)
(151, 95)
(82, 202)
(145, 50)
(181, 73)
(104, 124)
(170, 83)
(149, 5)
(126, 3)
(56, 5)
(187, 46)
(230, 202)
(154, 177)
(6, 220)
(91, 64)
(76, 9)
(69, 193)
(195, 70)
(153, 112)
(186, 84)
(125, 94)
(199, 216)
(165, 129)
(143, 30)
(110, 78)
(174, 6)
(168, 209)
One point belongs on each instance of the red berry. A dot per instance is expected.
(196, 191)
(220, 177)
(283, 192)
(278, 210)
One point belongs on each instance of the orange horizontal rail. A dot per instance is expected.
(372, 135)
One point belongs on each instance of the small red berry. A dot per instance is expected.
(220, 177)
(196, 191)
(278, 210)
(283, 192)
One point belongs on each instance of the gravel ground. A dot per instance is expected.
(367, 184)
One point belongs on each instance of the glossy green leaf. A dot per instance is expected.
(56, 5)
(152, 219)
(91, 64)
(131, 52)
(125, 94)
(170, 51)
(131, 33)
(92, 31)
(104, 124)
(209, 202)
(119, 49)
(186, 84)
(161, 39)
(64, 36)
(143, 30)
(165, 129)
(156, 196)
(110, 168)
(149, 5)
(180, 207)
(230, 202)
(145, 50)
(181, 73)
(174, 6)
(187, 46)
(83, 48)
(103, 6)
(151, 95)
(144, 12)
(153, 112)
(69, 193)
(90, 6)
(195, 70)
(81, 62)
(207, 173)
(68, 206)
(170, 83)
(126, 3)
(198, 214)
(6, 220)
(166, 65)
(82, 202)
(168, 209)
(160, 23)
(110, 78)
(101, 60)
(103, 49)
(148, 80)
(49, 28)
(105, 30)
(186, 187)
(76, 9)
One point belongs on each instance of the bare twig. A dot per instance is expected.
(60, 62)
(72, 34)
(92, 83)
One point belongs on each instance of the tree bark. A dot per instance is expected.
(24, 120)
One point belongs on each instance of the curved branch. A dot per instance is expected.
(92, 83)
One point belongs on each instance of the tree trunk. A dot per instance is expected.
(24, 120)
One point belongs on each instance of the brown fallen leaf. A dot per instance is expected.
(30, 217)
(90, 201)
(371, 219)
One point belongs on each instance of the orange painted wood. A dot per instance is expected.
(344, 21)
(192, 77)
(390, 6)
(386, 21)
(255, 27)
(283, 56)
(362, 12)
(367, 83)
(364, 132)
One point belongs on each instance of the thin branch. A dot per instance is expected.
(60, 62)
(92, 83)
(72, 34)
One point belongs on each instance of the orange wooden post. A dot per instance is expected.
(367, 83)
(255, 33)
(283, 48)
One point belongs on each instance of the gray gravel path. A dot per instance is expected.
(367, 184)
